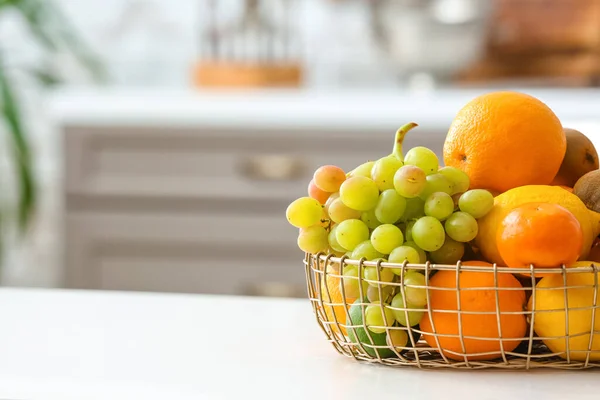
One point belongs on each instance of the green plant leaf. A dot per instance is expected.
(22, 155)
(44, 77)
(5, 3)
(33, 13)
(75, 45)
(55, 32)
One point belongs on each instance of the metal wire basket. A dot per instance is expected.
(566, 304)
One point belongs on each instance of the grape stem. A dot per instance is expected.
(400, 134)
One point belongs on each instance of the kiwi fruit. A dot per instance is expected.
(587, 189)
(580, 158)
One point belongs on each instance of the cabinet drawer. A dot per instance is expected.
(210, 163)
(191, 253)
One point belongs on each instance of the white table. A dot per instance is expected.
(111, 345)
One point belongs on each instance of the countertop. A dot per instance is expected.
(350, 110)
(57, 344)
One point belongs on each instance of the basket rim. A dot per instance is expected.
(345, 260)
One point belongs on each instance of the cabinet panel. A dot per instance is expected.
(194, 253)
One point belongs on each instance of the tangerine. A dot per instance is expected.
(543, 234)
(486, 331)
(334, 303)
(503, 140)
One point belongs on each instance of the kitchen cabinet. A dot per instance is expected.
(194, 209)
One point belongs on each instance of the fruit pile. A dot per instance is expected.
(517, 191)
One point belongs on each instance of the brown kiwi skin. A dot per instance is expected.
(587, 189)
(580, 158)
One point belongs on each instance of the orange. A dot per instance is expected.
(333, 299)
(477, 329)
(543, 234)
(506, 139)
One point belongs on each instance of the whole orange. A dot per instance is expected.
(334, 302)
(481, 323)
(543, 234)
(506, 139)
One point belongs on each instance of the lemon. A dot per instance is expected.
(509, 200)
(552, 323)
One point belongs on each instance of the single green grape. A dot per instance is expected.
(386, 238)
(390, 207)
(313, 239)
(335, 253)
(461, 227)
(436, 183)
(415, 208)
(386, 276)
(329, 178)
(409, 181)
(384, 170)
(400, 311)
(304, 212)
(359, 193)
(449, 253)
(460, 180)
(331, 199)
(416, 296)
(365, 249)
(401, 254)
(362, 170)
(397, 339)
(333, 243)
(369, 218)
(339, 212)
(351, 282)
(428, 233)
(386, 291)
(350, 233)
(423, 158)
(477, 202)
(377, 319)
(422, 254)
(439, 205)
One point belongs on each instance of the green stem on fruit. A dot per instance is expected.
(400, 134)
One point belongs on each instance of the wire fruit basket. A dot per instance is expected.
(475, 317)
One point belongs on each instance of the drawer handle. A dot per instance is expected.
(272, 168)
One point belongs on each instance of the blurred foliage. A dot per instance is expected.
(53, 33)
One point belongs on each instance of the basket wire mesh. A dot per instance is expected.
(581, 348)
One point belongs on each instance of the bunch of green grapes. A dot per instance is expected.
(388, 202)
(398, 209)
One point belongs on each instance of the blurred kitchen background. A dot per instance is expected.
(165, 160)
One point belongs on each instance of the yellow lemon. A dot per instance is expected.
(549, 321)
(509, 200)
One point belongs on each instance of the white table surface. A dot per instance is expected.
(110, 345)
